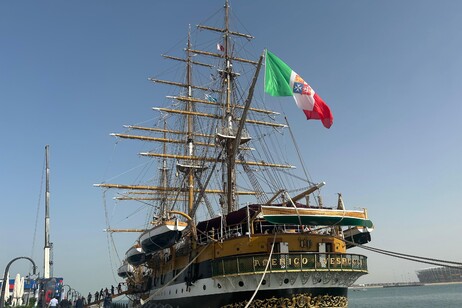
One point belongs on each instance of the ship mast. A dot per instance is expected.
(190, 126)
(47, 259)
(233, 137)
(230, 174)
(164, 180)
(221, 140)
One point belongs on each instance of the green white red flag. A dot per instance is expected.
(281, 80)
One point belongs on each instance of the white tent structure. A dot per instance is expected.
(21, 291)
(7, 287)
(16, 290)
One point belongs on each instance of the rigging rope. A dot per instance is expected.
(295, 207)
(109, 237)
(432, 261)
(308, 178)
(38, 210)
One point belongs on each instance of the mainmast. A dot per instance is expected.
(229, 184)
(47, 259)
(231, 137)
(190, 130)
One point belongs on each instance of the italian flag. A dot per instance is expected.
(281, 80)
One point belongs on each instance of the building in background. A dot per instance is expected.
(439, 274)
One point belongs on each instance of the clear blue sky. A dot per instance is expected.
(71, 72)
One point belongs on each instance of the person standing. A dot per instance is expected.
(96, 296)
(79, 302)
(112, 290)
(89, 298)
(119, 288)
(107, 301)
(53, 302)
(65, 303)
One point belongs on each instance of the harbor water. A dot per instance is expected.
(426, 296)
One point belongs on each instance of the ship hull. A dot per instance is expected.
(327, 297)
(315, 289)
(305, 278)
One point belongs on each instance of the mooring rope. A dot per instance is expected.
(414, 258)
(264, 273)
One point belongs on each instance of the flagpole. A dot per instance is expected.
(265, 50)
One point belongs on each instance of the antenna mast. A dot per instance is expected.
(47, 260)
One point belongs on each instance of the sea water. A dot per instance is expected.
(426, 296)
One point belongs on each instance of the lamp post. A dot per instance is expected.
(67, 294)
(5, 277)
(72, 295)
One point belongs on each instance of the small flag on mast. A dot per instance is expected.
(220, 47)
(210, 98)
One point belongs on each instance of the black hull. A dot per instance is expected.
(305, 297)
(359, 238)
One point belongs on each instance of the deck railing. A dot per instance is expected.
(289, 262)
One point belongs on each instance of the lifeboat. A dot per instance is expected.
(135, 255)
(125, 270)
(161, 236)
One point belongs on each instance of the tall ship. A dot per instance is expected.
(232, 222)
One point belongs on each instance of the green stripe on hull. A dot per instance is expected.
(319, 220)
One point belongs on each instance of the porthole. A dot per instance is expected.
(204, 287)
(241, 283)
(286, 281)
(219, 286)
(263, 282)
